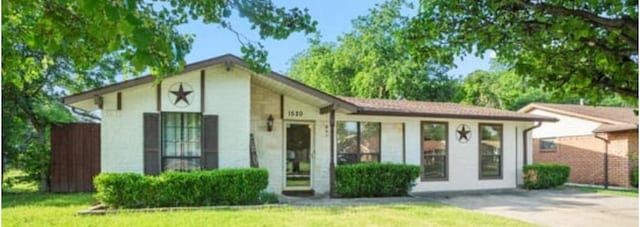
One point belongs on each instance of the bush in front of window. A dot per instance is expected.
(375, 179)
(545, 175)
(171, 189)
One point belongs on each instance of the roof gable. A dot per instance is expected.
(229, 60)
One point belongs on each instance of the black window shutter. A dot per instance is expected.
(151, 136)
(210, 142)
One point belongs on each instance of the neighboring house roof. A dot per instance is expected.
(615, 128)
(437, 109)
(353, 105)
(613, 119)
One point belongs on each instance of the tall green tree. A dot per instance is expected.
(504, 89)
(584, 47)
(50, 47)
(370, 62)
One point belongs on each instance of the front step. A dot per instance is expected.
(299, 193)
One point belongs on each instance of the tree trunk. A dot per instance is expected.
(40, 144)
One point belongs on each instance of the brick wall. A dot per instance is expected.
(633, 151)
(585, 155)
(618, 159)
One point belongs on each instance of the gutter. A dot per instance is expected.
(606, 159)
(524, 142)
(362, 111)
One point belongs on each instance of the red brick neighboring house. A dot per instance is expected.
(587, 138)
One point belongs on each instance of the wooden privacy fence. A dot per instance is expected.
(75, 156)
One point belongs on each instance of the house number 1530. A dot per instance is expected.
(296, 113)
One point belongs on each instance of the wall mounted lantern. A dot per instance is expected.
(270, 123)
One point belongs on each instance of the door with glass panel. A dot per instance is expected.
(181, 141)
(298, 155)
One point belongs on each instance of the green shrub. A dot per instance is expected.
(634, 178)
(545, 175)
(375, 179)
(170, 189)
(268, 198)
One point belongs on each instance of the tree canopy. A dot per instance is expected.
(584, 47)
(370, 62)
(504, 89)
(141, 33)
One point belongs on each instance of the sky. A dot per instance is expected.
(334, 19)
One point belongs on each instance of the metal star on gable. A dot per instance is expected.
(463, 133)
(181, 94)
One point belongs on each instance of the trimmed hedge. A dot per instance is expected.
(375, 179)
(545, 175)
(171, 189)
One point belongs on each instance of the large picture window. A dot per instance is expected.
(434, 151)
(181, 141)
(490, 151)
(358, 142)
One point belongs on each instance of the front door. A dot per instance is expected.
(298, 155)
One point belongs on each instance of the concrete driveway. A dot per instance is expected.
(563, 207)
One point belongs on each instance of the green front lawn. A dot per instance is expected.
(34, 209)
(18, 187)
(616, 192)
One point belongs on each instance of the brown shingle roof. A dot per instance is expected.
(611, 115)
(615, 128)
(613, 119)
(437, 109)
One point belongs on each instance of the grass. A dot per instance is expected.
(36, 209)
(19, 187)
(616, 192)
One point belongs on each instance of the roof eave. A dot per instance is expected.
(621, 129)
(455, 116)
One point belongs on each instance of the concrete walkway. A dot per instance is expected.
(326, 201)
(566, 207)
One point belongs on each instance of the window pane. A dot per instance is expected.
(358, 142)
(347, 137)
(369, 141)
(348, 158)
(547, 144)
(368, 157)
(434, 150)
(181, 164)
(490, 150)
(490, 166)
(170, 133)
(192, 138)
(181, 137)
(435, 167)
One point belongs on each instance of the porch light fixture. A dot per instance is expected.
(270, 123)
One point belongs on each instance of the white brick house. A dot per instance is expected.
(203, 119)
